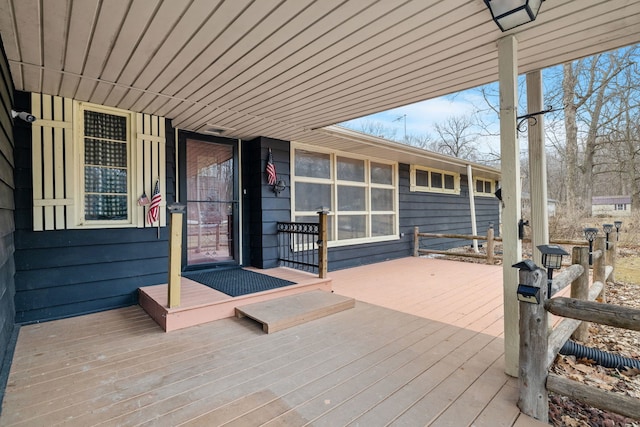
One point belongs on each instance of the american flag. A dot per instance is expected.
(271, 170)
(154, 207)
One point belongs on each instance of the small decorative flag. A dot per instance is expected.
(271, 170)
(154, 207)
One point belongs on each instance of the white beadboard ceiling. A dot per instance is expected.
(283, 68)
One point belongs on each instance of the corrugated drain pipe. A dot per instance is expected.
(602, 358)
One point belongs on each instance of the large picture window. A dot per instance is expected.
(359, 193)
(105, 181)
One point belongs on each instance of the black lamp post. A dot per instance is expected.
(618, 225)
(552, 260)
(590, 234)
(509, 14)
(607, 228)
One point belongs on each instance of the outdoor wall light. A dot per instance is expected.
(590, 234)
(618, 225)
(527, 293)
(552, 260)
(509, 14)
(607, 228)
(279, 187)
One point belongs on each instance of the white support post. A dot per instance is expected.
(537, 167)
(511, 195)
(472, 207)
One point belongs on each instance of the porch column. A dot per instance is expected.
(537, 167)
(511, 195)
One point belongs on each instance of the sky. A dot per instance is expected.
(421, 117)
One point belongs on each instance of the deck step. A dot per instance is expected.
(282, 313)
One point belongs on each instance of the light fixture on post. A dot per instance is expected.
(590, 234)
(618, 225)
(607, 228)
(552, 260)
(279, 187)
(509, 14)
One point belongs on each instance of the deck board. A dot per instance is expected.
(422, 346)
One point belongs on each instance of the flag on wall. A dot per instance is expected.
(271, 169)
(154, 207)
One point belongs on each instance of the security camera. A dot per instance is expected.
(29, 118)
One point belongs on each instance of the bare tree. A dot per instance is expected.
(456, 137)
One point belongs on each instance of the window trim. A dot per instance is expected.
(132, 166)
(428, 189)
(334, 215)
(484, 194)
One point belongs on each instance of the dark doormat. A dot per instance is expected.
(236, 281)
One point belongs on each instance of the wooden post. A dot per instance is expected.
(323, 262)
(416, 241)
(175, 259)
(537, 167)
(490, 245)
(533, 398)
(599, 265)
(580, 288)
(611, 260)
(511, 212)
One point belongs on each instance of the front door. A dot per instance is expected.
(211, 195)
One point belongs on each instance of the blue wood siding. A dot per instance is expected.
(7, 268)
(262, 208)
(70, 272)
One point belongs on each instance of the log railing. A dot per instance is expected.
(490, 238)
(539, 346)
(303, 245)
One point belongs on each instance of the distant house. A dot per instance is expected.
(611, 205)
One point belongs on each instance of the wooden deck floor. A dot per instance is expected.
(422, 346)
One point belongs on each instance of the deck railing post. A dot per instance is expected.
(580, 287)
(599, 265)
(416, 240)
(611, 260)
(175, 256)
(533, 400)
(322, 244)
(490, 245)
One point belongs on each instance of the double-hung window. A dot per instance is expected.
(359, 193)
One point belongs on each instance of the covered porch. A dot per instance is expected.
(423, 346)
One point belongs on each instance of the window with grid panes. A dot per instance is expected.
(433, 180)
(106, 168)
(484, 187)
(359, 193)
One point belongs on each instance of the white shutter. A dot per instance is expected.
(151, 163)
(52, 162)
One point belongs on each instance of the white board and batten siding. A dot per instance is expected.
(55, 152)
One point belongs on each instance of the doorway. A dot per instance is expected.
(212, 205)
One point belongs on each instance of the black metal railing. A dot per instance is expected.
(298, 245)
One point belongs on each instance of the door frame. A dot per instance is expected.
(181, 172)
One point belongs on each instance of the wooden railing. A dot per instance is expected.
(490, 238)
(539, 346)
(303, 245)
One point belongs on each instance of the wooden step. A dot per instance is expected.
(285, 312)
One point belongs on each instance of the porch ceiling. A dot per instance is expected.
(281, 68)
